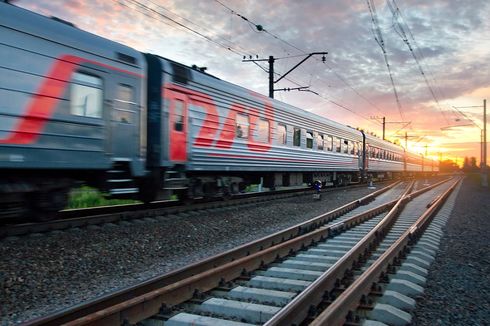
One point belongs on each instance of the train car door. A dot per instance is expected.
(178, 127)
(125, 118)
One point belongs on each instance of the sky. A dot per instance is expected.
(437, 53)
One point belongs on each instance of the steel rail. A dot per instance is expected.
(296, 311)
(337, 311)
(149, 304)
(104, 302)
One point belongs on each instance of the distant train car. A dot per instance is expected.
(80, 108)
(384, 158)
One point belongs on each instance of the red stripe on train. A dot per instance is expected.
(43, 102)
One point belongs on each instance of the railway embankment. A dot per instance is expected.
(42, 273)
(457, 291)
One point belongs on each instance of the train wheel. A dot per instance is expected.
(45, 205)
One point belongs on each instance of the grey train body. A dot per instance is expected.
(76, 107)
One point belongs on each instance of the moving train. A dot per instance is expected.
(77, 107)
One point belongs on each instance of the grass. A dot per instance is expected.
(85, 197)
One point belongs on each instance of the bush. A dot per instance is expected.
(85, 197)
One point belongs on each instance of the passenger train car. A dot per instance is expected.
(78, 107)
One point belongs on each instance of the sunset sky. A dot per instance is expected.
(450, 40)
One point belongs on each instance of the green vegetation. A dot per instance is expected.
(252, 188)
(85, 197)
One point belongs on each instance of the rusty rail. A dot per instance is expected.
(296, 311)
(100, 305)
(336, 312)
(149, 304)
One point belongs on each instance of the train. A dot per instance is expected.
(76, 107)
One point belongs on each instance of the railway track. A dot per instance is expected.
(160, 298)
(78, 218)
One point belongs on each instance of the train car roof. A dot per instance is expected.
(66, 34)
(375, 141)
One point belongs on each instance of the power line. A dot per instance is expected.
(185, 27)
(401, 32)
(303, 52)
(378, 36)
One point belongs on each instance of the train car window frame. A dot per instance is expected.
(338, 145)
(122, 104)
(242, 124)
(350, 147)
(297, 137)
(320, 142)
(263, 131)
(329, 147)
(83, 87)
(309, 139)
(179, 106)
(345, 146)
(282, 134)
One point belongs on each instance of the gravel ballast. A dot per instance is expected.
(457, 290)
(44, 273)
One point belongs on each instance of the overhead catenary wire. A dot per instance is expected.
(378, 36)
(421, 54)
(401, 32)
(146, 10)
(166, 19)
(302, 52)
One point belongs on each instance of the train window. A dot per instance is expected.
(345, 146)
(309, 139)
(351, 147)
(338, 143)
(86, 95)
(124, 104)
(297, 137)
(242, 126)
(319, 142)
(179, 115)
(329, 143)
(282, 134)
(263, 131)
